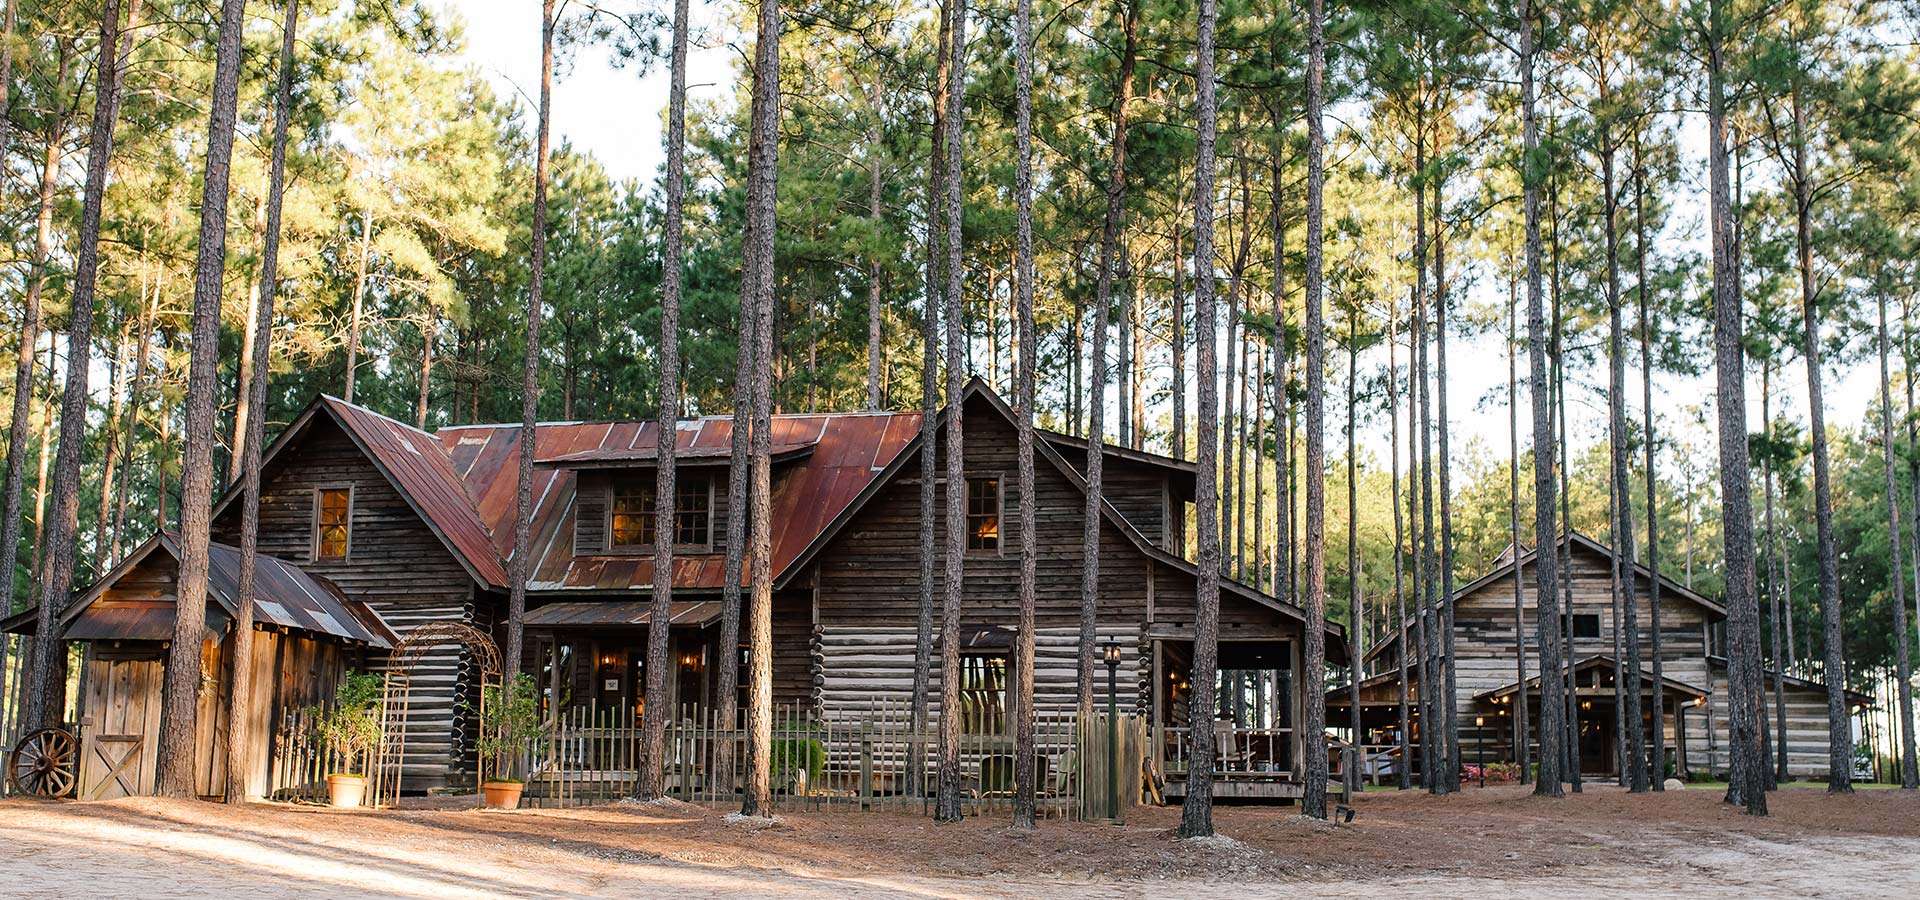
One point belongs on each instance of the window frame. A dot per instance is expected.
(649, 486)
(1575, 625)
(999, 515)
(313, 522)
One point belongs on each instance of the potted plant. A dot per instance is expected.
(509, 722)
(350, 727)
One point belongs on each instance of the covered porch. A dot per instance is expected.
(1487, 726)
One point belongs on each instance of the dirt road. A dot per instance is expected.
(1605, 843)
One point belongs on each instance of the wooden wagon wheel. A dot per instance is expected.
(45, 763)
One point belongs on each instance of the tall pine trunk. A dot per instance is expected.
(26, 357)
(931, 302)
(1747, 782)
(1896, 577)
(1402, 632)
(1110, 233)
(1440, 295)
(874, 215)
(1313, 801)
(1356, 609)
(1656, 764)
(757, 288)
(1620, 489)
(530, 361)
(181, 698)
(62, 530)
(1839, 725)
(1545, 564)
(356, 310)
(1196, 812)
(947, 802)
(240, 763)
(1023, 774)
(666, 498)
(1521, 740)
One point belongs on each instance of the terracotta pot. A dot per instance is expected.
(347, 790)
(502, 794)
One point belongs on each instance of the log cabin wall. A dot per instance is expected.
(1806, 728)
(395, 564)
(868, 581)
(1484, 648)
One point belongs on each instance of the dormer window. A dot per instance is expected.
(630, 523)
(332, 522)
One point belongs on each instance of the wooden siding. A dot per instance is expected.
(863, 664)
(396, 565)
(1806, 729)
(869, 578)
(868, 582)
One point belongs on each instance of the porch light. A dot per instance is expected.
(1113, 653)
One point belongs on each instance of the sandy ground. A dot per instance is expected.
(1603, 843)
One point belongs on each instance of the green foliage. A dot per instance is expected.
(509, 723)
(350, 724)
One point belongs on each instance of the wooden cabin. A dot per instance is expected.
(1492, 673)
(307, 634)
(418, 527)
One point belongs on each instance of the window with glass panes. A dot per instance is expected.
(983, 514)
(332, 522)
(632, 513)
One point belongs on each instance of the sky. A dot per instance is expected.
(617, 116)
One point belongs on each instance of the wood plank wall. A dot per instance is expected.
(397, 566)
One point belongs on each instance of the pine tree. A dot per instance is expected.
(530, 365)
(1546, 560)
(1313, 801)
(1023, 747)
(44, 691)
(757, 288)
(1747, 776)
(240, 761)
(1521, 739)
(1909, 770)
(1657, 765)
(1403, 629)
(655, 711)
(1110, 235)
(26, 359)
(947, 800)
(1196, 812)
(180, 700)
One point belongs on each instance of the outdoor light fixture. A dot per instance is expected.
(1480, 747)
(1112, 655)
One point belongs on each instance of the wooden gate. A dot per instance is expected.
(121, 728)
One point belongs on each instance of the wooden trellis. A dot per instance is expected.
(397, 697)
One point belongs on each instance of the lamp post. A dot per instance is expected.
(1480, 746)
(1112, 655)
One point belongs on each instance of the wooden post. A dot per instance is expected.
(866, 766)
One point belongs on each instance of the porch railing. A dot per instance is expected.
(856, 755)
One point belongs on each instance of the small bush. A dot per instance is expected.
(350, 726)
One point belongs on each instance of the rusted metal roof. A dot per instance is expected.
(648, 455)
(621, 613)
(844, 453)
(284, 596)
(420, 470)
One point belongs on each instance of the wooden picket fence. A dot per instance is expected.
(861, 755)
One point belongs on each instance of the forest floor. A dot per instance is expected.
(1603, 842)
